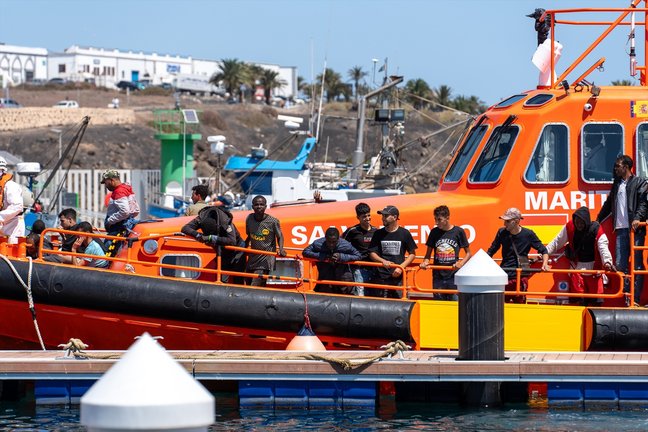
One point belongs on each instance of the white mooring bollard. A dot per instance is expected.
(147, 390)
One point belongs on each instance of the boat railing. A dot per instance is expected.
(520, 273)
(410, 273)
(218, 272)
(621, 20)
(403, 288)
(632, 264)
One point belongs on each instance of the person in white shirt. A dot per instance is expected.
(12, 224)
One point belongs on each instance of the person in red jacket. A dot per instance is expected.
(122, 211)
(583, 239)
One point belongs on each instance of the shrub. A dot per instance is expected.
(211, 118)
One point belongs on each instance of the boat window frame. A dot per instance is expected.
(538, 105)
(533, 153)
(511, 100)
(162, 268)
(636, 151)
(485, 148)
(581, 172)
(487, 127)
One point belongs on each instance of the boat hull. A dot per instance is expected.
(107, 298)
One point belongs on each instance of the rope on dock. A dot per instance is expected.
(30, 298)
(392, 348)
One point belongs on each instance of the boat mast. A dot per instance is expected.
(358, 154)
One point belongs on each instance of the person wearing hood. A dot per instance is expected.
(217, 230)
(582, 239)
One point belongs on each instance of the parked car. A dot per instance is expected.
(129, 85)
(57, 81)
(9, 103)
(66, 104)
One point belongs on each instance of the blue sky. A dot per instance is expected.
(477, 47)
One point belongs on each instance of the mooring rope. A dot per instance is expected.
(30, 298)
(396, 347)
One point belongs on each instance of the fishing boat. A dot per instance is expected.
(546, 151)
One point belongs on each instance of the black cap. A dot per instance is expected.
(389, 210)
(536, 13)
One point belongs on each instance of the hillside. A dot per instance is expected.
(245, 125)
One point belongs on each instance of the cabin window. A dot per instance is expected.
(180, 260)
(510, 101)
(550, 161)
(601, 144)
(492, 160)
(538, 100)
(465, 154)
(642, 150)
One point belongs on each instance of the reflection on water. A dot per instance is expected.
(403, 417)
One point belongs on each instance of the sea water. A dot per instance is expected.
(402, 417)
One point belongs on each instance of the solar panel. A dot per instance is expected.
(190, 116)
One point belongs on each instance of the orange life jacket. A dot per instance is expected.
(3, 181)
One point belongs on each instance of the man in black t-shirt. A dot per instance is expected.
(516, 242)
(388, 246)
(446, 240)
(360, 237)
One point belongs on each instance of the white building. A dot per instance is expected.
(22, 64)
(106, 67)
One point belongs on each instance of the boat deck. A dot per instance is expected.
(330, 366)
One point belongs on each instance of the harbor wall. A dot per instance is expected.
(41, 117)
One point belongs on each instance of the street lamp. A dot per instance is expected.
(373, 79)
(217, 146)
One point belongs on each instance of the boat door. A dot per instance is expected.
(283, 189)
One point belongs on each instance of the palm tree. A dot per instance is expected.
(270, 80)
(231, 75)
(623, 82)
(251, 77)
(417, 89)
(442, 95)
(332, 83)
(470, 105)
(356, 74)
(302, 85)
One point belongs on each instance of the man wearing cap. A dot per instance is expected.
(12, 224)
(388, 246)
(516, 242)
(122, 209)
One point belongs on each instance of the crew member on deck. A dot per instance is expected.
(12, 224)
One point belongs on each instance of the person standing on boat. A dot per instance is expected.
(263, 233)
(627, 205)
(585, 238)
(388, 246)
(12, 224)
(122, 209)
(332, 254)
(199, 194)
(516, 243)
(446, 240)
(360, 238)
(89, 246)
(217, 231)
